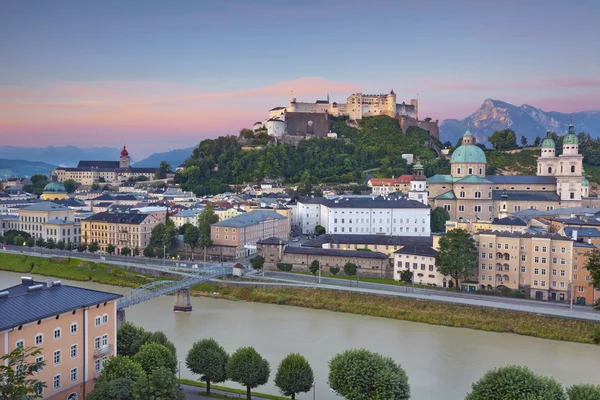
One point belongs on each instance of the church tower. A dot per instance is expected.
(124, 161)
(547, 161)
(569, 177)
(418, 187)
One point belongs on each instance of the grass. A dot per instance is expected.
(365, 279)
(189, 382)
(430, 312)
(69, 268)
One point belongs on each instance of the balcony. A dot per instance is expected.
(104, 351)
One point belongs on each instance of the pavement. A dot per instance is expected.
(191, 393)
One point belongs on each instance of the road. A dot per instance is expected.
(191, 393)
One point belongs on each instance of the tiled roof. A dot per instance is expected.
(384, 240)
(440, 179)
(583, 232)
(417, 249)
(57, 221)
(250, 218)
(45, 206)
(118, 218)
(271, 240)
(472, 179)
(553, 236)
(98, 164)
(446, 196)
(335, 253)
(390, 181)
(526, 195)
(509, 221)
(521, 179)
(23, 306)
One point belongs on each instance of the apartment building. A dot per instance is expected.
(420, 260)
(237, 236)
(541, 264)
(583, 290)
(356, 216)
(49, 220)
(75, 329)
(131, 230)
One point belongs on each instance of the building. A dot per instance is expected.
(420, 260)
(540, 265)
(360, 216)
(187, 217)
(75, 328)
(370, 264)
(114, 172)
(469, 193)
(383, 186)
(583, 290)
(132, 230)
(54, 190)
(236, 237)
(418, 186)
(225, 213)
(377, 243)
(48, 220)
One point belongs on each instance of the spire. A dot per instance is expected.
(548, 130)
(571, 126)
(327, 97)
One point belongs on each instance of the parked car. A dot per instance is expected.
(296, 239)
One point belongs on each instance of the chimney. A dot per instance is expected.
(26, 280)
(574, 235)
(49, 282)
(4, 295)
(589, 240)
(35, 288)
(57, 283)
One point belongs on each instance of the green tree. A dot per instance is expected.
(116, 389)
(503, 140)
(524, 141)
(517, 383)
(130, 338)
(163, 170)
(161, 384)
(294, 375)
(125, 251)
(149, 252)
(406, 276)
(191, 237)
(537, 141)
(209, 360)
(70, 185)
(93, 247)
(136, 251)
(334, 270)
(81, 247)
(457, 255)
(164, 234)
(121, 367)
(257, 262)
(360, 374)
(437, 221)
(593, 267)
(110, 249)
(30, 242)
(319, 230)
(350, 269)
(95, 186)
(183, 227)
(314, 267)
(17, 372)
(19, 240)
(248, 368)
(50, 244)
(60, 245)
(583, 392)
(160, 338)
(205, 220)
(154, 355)
(40, 242)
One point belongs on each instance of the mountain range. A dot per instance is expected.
(66, 156)
(174, 158)
(21, 168)
(524, 120)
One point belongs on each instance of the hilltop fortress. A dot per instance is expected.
(313, 119)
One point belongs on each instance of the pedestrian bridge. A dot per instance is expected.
(160, 288)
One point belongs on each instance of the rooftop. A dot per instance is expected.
(118, 218)
(23, 305)
(509, 221)
(45, 206)
(336, 253)
(553, 236)
(417, 249)
(583, 232)
(384, 240)
(250, 218)
(370, 202)
(527, 195)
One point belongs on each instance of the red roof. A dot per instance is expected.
(124, 152)
(403, 179)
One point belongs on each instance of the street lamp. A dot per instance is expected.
(164, 254)
(179, 370)
(314, 390)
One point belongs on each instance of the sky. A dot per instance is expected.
(161, 75)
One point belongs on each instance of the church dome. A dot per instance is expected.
(585, 182)
(468, 152)
(548, 143)
(571, 138)
(124, 152)
(55, 187)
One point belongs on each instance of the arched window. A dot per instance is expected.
(480, 171)
(506, 256)
(549, 170)
(470, 171)
(458, 171)
(477, 195)
(572, 169)
(462, 194)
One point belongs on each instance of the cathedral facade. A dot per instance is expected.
(469, 193)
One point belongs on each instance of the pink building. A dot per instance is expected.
(75, 328)
(236, 237)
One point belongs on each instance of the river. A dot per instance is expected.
(441, 362)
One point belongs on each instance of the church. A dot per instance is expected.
(90, 172)
(469, 193)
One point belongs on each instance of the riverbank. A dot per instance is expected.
(399, 308)
(429, 312)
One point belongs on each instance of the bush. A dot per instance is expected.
(515, 382)
(334, 270)
(350, 269)
(284, 267)
(584, 392)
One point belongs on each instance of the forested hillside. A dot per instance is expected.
(377, 143)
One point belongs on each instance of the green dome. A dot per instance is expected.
(571, 138)
(468, 154)
(585, 182)
(55, 187)
(418, 165)
(548, 143)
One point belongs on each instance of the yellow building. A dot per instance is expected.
(54, 190)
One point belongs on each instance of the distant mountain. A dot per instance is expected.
(174, 157)
(67, 156)
(525, 120)
(21, 168)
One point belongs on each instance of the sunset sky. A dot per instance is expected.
(162, 75)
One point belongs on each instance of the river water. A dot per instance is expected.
(441, 362)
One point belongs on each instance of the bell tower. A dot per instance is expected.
(124, 161)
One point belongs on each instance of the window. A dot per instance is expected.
(535, 283)
(490, 267)
(470, 171)
(544, 260)
(73, 374)
(483, 266)
(562, 261)
(543, 271)
(97, 343)
(461, 208)
(56, 357)
(544, 249)
(523, 257)
(461, 194)
(73, 328)
(499, 245)
(477, 208)
(482, 255)
(97, 366)
(39, 339)
(575, 277)
(56, 382)
(98, 321)
(553, 272)
(554, 260)
(483, 277)
(20, 343)
(104, 340)
(40, 359)
(562, 285)
(477, 195)
(73, 351)
(536, 248)
(563, 250)
(562, 272)
(536, 271)
(543, 283)
(522, 268)
(587, 278)
(536, 260)
(57, 333)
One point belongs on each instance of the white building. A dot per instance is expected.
(186, 217)
(420, 260)
(359, 216)
(50, 221)
(418, 185)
